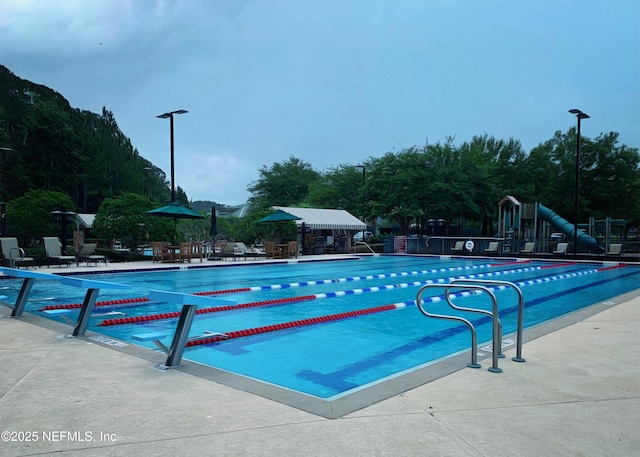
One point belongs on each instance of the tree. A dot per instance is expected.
(340, 187)
(609, 176)
(284, 184)
(57, 147)
(125, 218)
(610, 173)
(29, 217)
(394, 187)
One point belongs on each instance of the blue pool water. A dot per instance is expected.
(330, 359)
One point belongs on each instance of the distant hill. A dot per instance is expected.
(203, 205)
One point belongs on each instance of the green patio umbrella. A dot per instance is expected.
(278, 216)
(176, 211)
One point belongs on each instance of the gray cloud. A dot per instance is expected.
(330, 82)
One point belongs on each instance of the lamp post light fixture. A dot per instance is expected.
(63, 217)
(580, 115)
(364, 176)
(170, 116)
(144, 175)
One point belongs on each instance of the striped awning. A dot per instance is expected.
(317, 219)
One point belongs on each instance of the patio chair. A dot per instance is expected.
(53, 249)
(271, 251)
(159, 253)
(292, 249)
(197, 251)
(561, 249)
(493, 247)
(14, 255)
(86, 253)
(459, 246)
(185, 252)
(528, 248)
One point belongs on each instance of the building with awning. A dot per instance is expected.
(324, 230)
(325, 219)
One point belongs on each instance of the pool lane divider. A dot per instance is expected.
(123, 301)
(351, 314)
(218, 337)
(321, 282)
(612, 267)
(175, 314)
(138, 300)
(298, 299)
(334, 317)
(280, 286)
(558, 265)
(289, 325)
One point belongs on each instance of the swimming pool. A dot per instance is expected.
(378, 334)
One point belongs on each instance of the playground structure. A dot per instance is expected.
(530, 229)
(521, 223)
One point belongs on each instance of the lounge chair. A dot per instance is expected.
(159, 253)
(228, 251)
(459, 246)
(243, 250)
(615, 249)
(14, 255)
(240, 250)
(561, 248)
(528, 248)
(53, 248)
(86, 253)
(493, 247)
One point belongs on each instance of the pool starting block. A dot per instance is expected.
(181, 336)
(27, 284)
(92, 286)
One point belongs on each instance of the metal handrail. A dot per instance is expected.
(518, 357)
(366, 244)
(480, 311)
(474, 344)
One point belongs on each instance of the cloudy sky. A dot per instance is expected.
(328, 81)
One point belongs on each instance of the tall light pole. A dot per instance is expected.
(580, 115)
(364, 177)
(144, 175)
(170, 116)
(3, 203)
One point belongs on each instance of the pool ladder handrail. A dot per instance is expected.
(490, 282)
(474, 338)
(366, 244)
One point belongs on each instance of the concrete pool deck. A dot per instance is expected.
(577, 394)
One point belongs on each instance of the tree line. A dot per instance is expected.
(462, 184)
